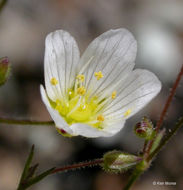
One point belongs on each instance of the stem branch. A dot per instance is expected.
(147, 156)
(24, 122)
(166, 139)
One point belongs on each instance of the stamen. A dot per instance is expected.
(100, 118)
(75, 107)
(113, 94)
(81, 90)
(99, 75)
(86, 65)
(54, 81)
(81, 77)
(59, 106)
(128, 112)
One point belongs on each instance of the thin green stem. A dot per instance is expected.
(166, 139)
(24, 122)
(136, 174)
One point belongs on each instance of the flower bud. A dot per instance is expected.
(117, 161)
(144, 129)
(4, 70)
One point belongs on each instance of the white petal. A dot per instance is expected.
(59, 121)
(133, 94)
(61, 58)
(113, 53)
(88, 131)
(91, 132)
(114, 127)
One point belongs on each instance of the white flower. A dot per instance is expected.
(92, 96)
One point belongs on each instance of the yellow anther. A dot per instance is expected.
(81, 90)
(99, 75)
(100, 118)
(81, 77)
(54, 81)
(113, 94)
(128, 112)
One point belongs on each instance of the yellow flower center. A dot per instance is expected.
(79, 108)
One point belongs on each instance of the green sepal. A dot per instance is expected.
(118, 162)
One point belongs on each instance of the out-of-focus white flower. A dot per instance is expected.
(92, 96)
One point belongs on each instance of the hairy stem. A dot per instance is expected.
(24, 122)
(78, 165)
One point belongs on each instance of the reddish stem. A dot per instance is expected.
(78, 165)
(145, 146)
(165, 109)
(169, 100)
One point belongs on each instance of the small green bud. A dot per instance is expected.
(144, 129)
(4, 70)
(117, 161)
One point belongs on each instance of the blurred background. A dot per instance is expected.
(24, 24)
